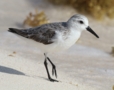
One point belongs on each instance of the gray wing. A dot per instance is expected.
(40, 34)
(45, 37)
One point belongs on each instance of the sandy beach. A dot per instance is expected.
(88, 65)
(17, 73)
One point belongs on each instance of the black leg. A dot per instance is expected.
(53, 67)
(49, 77)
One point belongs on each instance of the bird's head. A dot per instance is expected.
(80, 23)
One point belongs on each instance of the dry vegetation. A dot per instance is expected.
(97, 8)
(36, 19)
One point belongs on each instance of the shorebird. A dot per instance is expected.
(53, 37)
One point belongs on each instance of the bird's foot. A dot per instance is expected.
(53, 80)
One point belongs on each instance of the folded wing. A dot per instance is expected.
(42, 35)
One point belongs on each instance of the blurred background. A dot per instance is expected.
(94, 55)
(32, 13)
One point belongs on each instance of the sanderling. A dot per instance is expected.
(54, 37)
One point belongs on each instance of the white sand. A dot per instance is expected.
(87, 67)
(17, 73)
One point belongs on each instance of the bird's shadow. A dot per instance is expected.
(8, 70)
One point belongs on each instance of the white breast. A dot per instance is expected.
(63, 44)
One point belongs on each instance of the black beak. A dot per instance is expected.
(91, 31)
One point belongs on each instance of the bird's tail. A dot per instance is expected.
(13, 30)
(20, 32)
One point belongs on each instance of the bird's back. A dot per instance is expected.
(43, 34)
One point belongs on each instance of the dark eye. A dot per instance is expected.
(81, 22)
